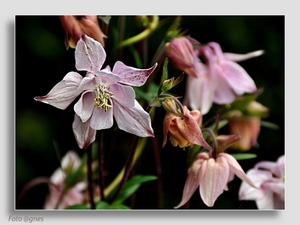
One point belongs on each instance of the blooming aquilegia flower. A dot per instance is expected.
(269, 177)
(211, 176)
(105, 94)
(74, 195)
(219, 78)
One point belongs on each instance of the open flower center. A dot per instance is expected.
(103, 97)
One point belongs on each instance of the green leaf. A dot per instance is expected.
(103, 205)
(269, 125)
(119, 206)
(78, 206)
(243, 156)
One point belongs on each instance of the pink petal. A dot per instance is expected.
(275, 187)
(237, 77)
(224, 93)
(241, 57)
(84, 134)
(85, 105)
(258, 177)
(191, 183)
(214, 180)
(64, 92)
(101, 120)
(132, 76)
(236, 168)
(89, 54)
(134, 120)
(124, 95)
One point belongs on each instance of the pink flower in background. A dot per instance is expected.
(211, 176)
(269, 177)
(75, 26)
(103, 94)
(219, 79)
(74, 195)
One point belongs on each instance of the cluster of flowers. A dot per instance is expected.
(213, 77)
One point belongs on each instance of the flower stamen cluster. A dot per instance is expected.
(103, 97)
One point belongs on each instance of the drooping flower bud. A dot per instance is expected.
(183, 56)
(184, 131)
(75, 26)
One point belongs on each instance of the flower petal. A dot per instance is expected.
(84, 134)
(241, 57)
(214, 180)
(134, 120)
(191, 183)
(64, 92)
(89, 54)
(124, 95)
(132, 76)
(258, 177)
(85, 105)
(101, 119)
(236, 168)
(190, 130)
(237, 77)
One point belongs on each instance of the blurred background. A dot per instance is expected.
(44, 133)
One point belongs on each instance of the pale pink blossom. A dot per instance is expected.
(75, 194)
(211, 176)
(269, 177)
(104, 94)
(219, 78)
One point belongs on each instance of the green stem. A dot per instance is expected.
(144, 34)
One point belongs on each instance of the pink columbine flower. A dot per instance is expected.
(219, 78)
(269, 177)
(211, 176)
(74, 195)
(104, 94)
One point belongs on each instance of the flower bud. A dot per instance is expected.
(184, 131)
(181, 53)
(74, 27)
